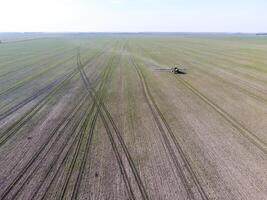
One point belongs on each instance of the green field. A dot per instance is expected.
(91, 116)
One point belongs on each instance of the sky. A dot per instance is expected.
(133, 16)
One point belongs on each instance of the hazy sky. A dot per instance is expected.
(134, 15)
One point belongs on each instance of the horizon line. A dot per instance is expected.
(128, 32)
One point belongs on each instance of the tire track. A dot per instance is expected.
(97, 100)
(62, 164)
(47, 57)
(237, 87)
(11, 130)
(237, 125)
(102, 106)
(243, 130)
(29, 99)
(76, 140)
(61, 127)
(115, 149)
(55, 160)
(76, 152)
(21, 83)
(48, 54)
(164, 129)
(92, 126)
(84, 160)
(70, 171)
(78, 137)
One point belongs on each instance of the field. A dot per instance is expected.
(91, 117)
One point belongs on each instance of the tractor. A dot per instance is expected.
(175, 70)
